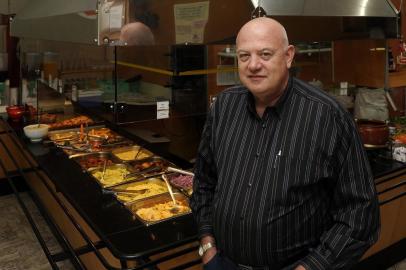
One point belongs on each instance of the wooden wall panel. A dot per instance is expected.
(360, 62)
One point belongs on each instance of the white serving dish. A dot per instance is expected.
(36, 132)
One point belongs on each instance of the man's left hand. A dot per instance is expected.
(299, 267)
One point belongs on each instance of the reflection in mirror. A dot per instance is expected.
(136, 33)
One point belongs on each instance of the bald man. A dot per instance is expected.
(136, 33)
(281, 180)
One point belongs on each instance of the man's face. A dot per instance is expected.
(263, 61)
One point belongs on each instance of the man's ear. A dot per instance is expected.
(289, 54)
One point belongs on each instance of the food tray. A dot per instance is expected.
(72, 122)
(96, 160)
(69, 134)
(107, 134)
(153, 202)
(154, 186)
(63, 136)
(130, 153)
(114, 175)
(154, 163)
(186, 188)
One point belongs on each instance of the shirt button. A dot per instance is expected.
(263, 125)
(249, 184)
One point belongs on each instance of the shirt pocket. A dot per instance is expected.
(288, 170)
(292, 171)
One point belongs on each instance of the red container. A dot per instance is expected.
(15, 112)
(374, 133)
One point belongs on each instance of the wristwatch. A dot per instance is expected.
(203, 248)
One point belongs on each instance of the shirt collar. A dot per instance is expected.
(280, 104)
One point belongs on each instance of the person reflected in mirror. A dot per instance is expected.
(282, 180)
(136, 33)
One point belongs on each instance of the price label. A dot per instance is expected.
(162, 114)
(162, 105)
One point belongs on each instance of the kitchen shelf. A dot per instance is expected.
(225, 54)
(313, 50)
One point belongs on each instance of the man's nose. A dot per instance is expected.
(254, 64)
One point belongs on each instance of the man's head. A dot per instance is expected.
(264, 57)
(136, 33)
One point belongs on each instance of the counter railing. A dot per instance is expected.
(21, 172)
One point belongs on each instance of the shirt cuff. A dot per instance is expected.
(314, 261)
(204, 230)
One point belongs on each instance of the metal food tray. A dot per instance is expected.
(129, 199)
(186, 191)
(143, 153)
(100, 155)
(164, 198)
(54, 135)
(63, 136)
(74, 129)
(152, 159)
(120, 179)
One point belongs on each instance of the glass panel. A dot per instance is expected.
(152, 76)
(157, 22)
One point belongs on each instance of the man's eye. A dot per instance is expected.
(243, 57)
(266, 55)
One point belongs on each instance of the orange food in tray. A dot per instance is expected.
(72, 122)
(401, 138)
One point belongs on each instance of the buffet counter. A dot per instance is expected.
(98, 232)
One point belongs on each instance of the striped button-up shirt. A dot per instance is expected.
(294, 181)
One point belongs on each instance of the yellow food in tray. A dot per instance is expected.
(111, 176)
(146, 188)
(63, 136)
(162, 211)
(132, 154)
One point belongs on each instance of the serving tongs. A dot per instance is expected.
(175, 207)
(84, 154)
(171, 169)
(143, 173)
(80, 149)
(135, 179)
(132, 192)
(114, 143)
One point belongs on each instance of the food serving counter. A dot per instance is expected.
(98, 232)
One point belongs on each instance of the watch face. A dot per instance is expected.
(201, 251)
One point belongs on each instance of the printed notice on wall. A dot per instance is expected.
(190, 21)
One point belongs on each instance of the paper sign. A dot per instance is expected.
(162, 105)
(162, 114)
(190, 21)
(116, 17)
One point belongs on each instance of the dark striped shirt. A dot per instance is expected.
(296, 181)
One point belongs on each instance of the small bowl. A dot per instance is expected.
(15, 112)
(36, 132)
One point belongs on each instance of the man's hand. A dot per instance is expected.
(299, 267)
(210, 253)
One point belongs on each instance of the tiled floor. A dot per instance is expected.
(399, 266)
(19, 248)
